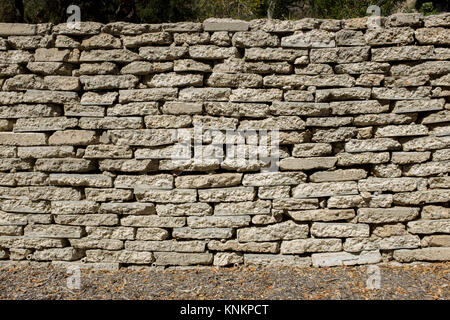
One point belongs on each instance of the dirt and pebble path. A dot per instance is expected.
(243, 283)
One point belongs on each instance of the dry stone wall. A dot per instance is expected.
(91, 117)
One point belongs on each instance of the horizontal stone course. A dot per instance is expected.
(268, 142)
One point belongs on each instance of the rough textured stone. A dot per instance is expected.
(148, 144)
(345, 258)
(288, 230)
(322, 215)
(387, 215)
(325, 189)
(273, 260)
(424, 254)
(310, 245)
(339, 230)
(429, 226)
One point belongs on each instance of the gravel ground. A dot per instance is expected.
(242, 283)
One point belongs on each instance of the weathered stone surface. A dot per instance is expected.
(307, 163)
(234, 245)
(311, 150)
(381, 36)
(323, 80)
(73, 137)
(105, 244)
(436, 241)
(419, 106)
(74, 207)
(149, 137)
(254, 39)
(322, 215)
(428, 169)
(338, 175)
(161, 181)
(215, 24)
(242, 80)
(256, 95)
(119, 233)
(184, 209)
(63, 254)
(87, 220)
(145, 194)
(429, 226)
(373, 184)
(400, 93)
(339, 230)
(30, 242)
(153, 221)
(183, 259)
(44, 124)
(340, 55)
(422, 197)
(426, 143)
(239, 208)
(114, 55)
(223, 259)
(424, 254)
(403, 53)
(53, 231)
(309, 39)
(204, 94)
(440, 182)
(274, 54)
(81, 180)
(162, 53)
(22, 139)
(324, 189)
(204, 233)
(402, 131)
(410, 157)
(288, 230)
(151, 234)
(166, 246)
(103, 195)
(175, 80)
(63, 165)
(128, 165)
(273, 179)
(299, 108)
(345, 258)
(234, 194)
(363, 67)
(211, 52)
(310, 245)
(273, 260)
(387, 215)
(438, 36)
(208, 181)
(96, 142)
(144, 68)
(105, 82)
(146, 39)
(218, 222)
(123, 256)
(372, 145)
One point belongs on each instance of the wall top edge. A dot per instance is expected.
(226, 24)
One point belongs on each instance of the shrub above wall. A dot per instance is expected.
(90, 117)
